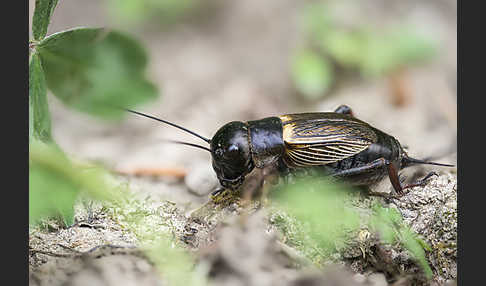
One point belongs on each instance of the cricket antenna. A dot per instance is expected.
(189, 144)
(172, 124)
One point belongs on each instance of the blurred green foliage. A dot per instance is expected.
(371, 52)
(154, 223)
(374, 54)
(95, 71)
(319, 209)
(312, 73)
(39, 117)
(42, 17)
(389, 224)
(320, 204)
(138, 11)
(92, 70)
(55, 182)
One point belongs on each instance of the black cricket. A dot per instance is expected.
(339, 144)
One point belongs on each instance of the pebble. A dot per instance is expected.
(201, 179)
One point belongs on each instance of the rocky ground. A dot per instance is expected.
(245, 245)
(212, 73)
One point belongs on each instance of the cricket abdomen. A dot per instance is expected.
(386, 147)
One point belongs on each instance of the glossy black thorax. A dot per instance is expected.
(266, 141)
(238, 147)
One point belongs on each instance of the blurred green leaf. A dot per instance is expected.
(55, 181)
(51, 192)
(345, 47)
(136, 11)
(312, 74)
(42, 17)
(93, 70)
(31, 107)
(396, 48)
(383, 221)
(375, 54)
(411, 45)
(411, 243)
(321, 204)
(39, 117)
(316, 20)
(389, 224)
(379, 56)
(31, 120)
(424, 244)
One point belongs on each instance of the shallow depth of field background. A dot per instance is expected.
(219, 61)
(393, 62)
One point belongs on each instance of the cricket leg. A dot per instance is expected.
(377, 164)
(282, 167)
(367, 173)
(422, 181)
(395, 180)
(344, 109)
(218, 191)
(284, 171)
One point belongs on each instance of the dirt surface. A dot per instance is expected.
(234, 65)
(243, 245)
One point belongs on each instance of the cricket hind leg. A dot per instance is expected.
(365, 175)
(422, 182)
(396, 181)
(344, 109)
(362, 175)
(366, 172)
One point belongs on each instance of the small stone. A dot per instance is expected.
(201, 179)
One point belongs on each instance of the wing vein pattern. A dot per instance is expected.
(313, 139)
